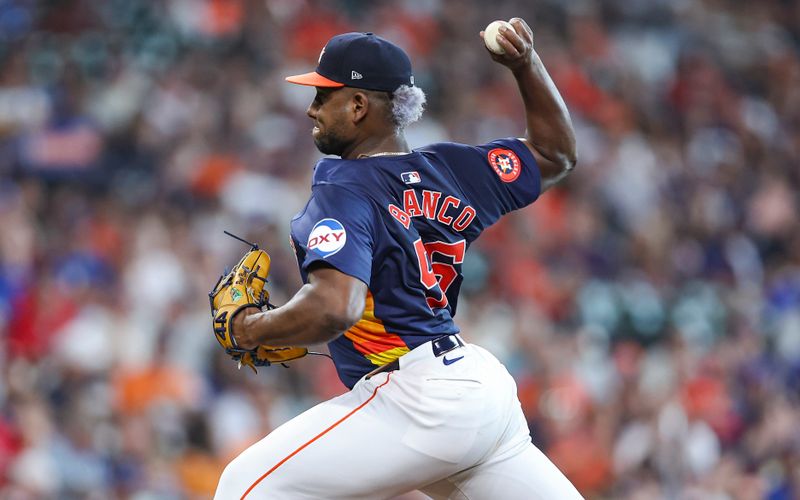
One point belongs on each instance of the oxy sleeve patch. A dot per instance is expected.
(327, 237)
(505, 163)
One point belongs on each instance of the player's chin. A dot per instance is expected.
(327, 144)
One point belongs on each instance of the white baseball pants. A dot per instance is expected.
(452, 430)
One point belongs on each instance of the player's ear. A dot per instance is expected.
(359, 105)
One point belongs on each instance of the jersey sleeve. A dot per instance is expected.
(498, 177)
(341, 231)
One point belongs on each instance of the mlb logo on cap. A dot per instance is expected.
(410, 177)
(360, 60)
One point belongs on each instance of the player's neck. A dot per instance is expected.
(378, 146)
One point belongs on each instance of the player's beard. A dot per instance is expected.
(330, 142)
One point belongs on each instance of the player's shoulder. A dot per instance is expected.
(445, 149)
(336, 172)
(341, 182)
(460, 150)
(367, 176)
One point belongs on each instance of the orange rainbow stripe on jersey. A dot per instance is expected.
(370, 338)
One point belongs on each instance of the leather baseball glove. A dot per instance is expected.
(241, 288)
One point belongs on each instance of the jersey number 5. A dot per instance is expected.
(433, 272)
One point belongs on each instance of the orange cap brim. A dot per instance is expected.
(313, 79)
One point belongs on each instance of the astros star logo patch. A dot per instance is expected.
(505, 163)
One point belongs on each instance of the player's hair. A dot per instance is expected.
(408, 103)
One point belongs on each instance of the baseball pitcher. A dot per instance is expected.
(380, 246)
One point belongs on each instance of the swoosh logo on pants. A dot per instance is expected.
(450, 361)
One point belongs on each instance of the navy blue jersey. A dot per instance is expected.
(402, 224)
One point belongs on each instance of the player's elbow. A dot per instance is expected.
(335, 324)
(556, 168)
(338, 309)
(567, 154)
(568, 161)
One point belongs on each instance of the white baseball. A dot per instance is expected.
(490, 36)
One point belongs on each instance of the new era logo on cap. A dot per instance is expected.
(374, 63)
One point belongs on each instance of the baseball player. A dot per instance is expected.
(380, 246)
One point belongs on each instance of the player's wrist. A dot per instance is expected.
(525, 66)
(239, 328)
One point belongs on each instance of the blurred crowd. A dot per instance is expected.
(649, 308)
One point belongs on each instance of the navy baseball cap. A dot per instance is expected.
(360, 60)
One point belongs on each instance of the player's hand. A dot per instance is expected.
(518, 45)
(237, 328)
(238, 294)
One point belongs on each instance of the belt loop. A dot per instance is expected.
(446, 344)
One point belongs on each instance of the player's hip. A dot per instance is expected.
(447, 378)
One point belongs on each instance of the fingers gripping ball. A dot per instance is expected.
(490, 36)
(241, 288)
